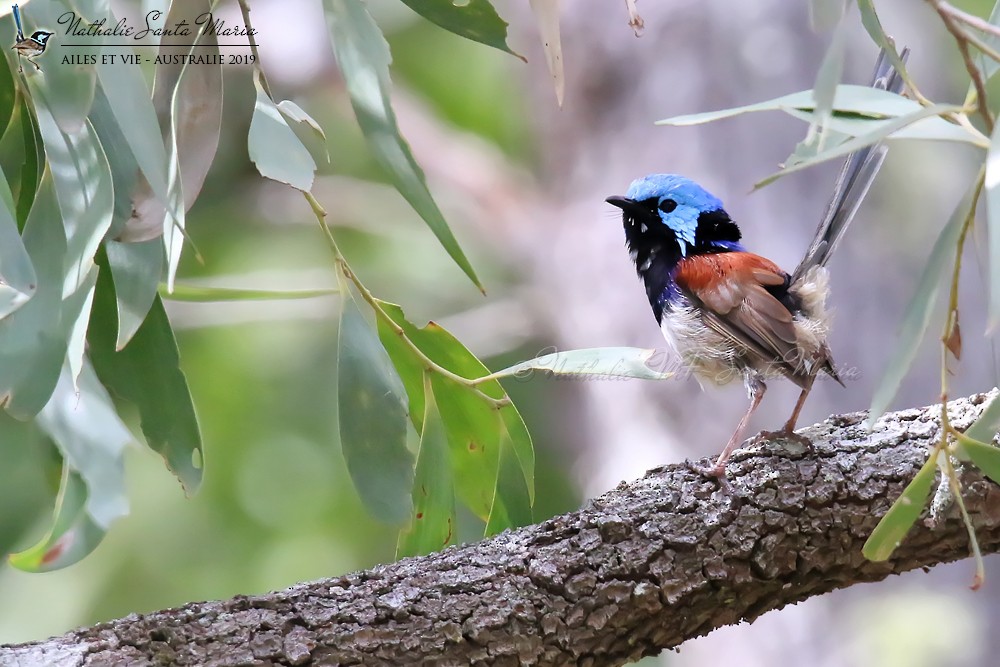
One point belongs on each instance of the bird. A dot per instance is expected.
(728, 313)
(32, 47)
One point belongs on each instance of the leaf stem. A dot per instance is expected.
(245, 10)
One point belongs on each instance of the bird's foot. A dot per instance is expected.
(716, 471)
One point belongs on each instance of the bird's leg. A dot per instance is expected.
(755, 389)
(787, 432)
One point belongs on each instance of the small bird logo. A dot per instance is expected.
(29, 47)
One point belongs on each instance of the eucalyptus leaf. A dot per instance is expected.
(81, 420)
(205, 294)
(74, 533)
(897, 522)
(147, 373)
(363, 56)
(273, 146)
(32, 346)
(986, 457)
(136, 269)
(851, 145)
(612, 362)
(462, 411)
(848, 98)
(306, 129)
(918, 313)
(82, 178)
(372, 416)
(828, 77)
(475, 19)
(987, 425)
(872, 24)
(934, 128)
(432, 525)
(17, 275)
(131, 107)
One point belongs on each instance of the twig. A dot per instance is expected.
(948, 17)
(245, 10)
(966, 18)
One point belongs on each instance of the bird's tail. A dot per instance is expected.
(855, 179)
(17, 20)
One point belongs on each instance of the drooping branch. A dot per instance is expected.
(642, 568)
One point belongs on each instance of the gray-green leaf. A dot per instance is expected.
(363, 56)
(372, 415)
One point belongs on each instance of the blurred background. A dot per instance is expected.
(523, 182)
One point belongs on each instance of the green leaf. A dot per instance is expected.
(992, 186)
(856, 143)
(203, 294)
(32, 342)
(827, 79)
(512, 501)
(432, 525)
(188, 103)
(934, 128)
(274, 148)
(462, 412)
(986, 427)
(127, 100)
(82, 178)
(872, 24)
(15, 155)
(124, 168)
(363, 56)
(136, 270)
(306, 129)
(475, 433)
(918, 312)
(73, 534)
(848, 98)
(147, 373)
(17, 275)
(893, 527)
(622, 362)
(372, 415)
(81, 420)
(986, 457)
(475, 19)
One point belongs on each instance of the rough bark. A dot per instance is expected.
(640, 569)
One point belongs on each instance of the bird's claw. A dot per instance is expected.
(716, 472)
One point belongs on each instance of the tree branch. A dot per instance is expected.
(640, 569)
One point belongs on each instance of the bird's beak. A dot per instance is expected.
(624, 203)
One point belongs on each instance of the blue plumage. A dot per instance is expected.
(17, 20)
(690, 201)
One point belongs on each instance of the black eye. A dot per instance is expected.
(667, 205)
